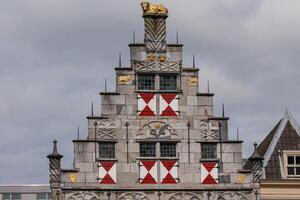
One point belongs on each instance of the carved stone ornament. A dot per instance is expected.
(234, 195)
(156, 65)
(209, 130)
(193, 80)
(72, 177)
(157, 129)
(184, 196)
(82, 196)
(133, 196)
(107, 129)
(125, 79)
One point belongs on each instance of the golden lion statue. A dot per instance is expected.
(149, 8)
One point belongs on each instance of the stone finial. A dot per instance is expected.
(188, 124)
(54, 153)
(256, 155)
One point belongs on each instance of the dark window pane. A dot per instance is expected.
(147, 150)
(298, 160)
(168, 149)
(49, 196)
(41, 196)
(297, 170)
(208, 151)
(6, 196)
(107, 150)
(16, 196)
(168, 82)
(291, 171)
(146, 82)
(291, 160)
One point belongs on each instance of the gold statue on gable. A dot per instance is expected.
(149, 8)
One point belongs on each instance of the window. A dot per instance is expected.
(168, 82)
(147, 150)
(6, 196)
(12, 196)
(43, 196)
(168, 149)
(146, 82)
(208, 151)
(107, 150)
(293, 165)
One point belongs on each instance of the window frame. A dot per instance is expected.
(168, 85)
(143, 87)
(148, 143)
(100, 156)
(286, 165)
(164, 155)
(208, 157)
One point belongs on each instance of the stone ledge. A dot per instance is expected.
(124, 68)
(109, 93)
(205, 94)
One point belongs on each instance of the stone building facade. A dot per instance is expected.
(157, 136)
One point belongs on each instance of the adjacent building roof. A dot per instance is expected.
(284, 136)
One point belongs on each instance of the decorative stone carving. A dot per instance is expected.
(133, 196)
(156, 129)
(156, 65)
(72, 177)
(185, 196)
(107, 129)
(234, 195)
(209, 130)
(82, 196)
(193, 81)
(125, 79)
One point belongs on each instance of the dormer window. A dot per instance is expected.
(291, 163)
(146, 82)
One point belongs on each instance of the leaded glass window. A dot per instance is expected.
(106, 150)
(147, 149)
(168, 149)
(146, 82)
(168, 82)
(208, 151)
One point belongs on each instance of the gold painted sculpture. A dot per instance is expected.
(73, 177)
(125, 79)
(193, 81)
(149, 8)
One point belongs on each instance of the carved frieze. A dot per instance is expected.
(82, 196)
(209, 130)
(133, 196)
(184, 196)
(234, 195)
(158, 64)
(156, 129)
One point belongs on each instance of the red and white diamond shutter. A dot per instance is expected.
(209, 172)
(168, 172)
(107, 172)
(146, 104)
(148, 172)
(168, 105)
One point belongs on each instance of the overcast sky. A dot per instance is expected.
(55, 54)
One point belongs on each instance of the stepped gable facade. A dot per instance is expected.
(157, 137)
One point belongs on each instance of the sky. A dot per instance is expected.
(55, 55)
